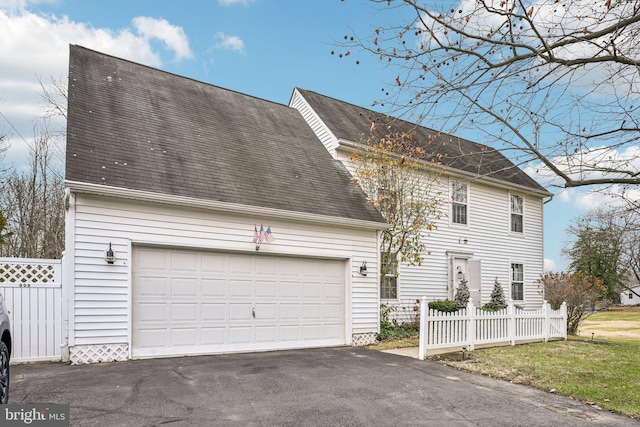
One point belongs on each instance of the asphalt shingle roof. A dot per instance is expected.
(352, 123)
(136, 127)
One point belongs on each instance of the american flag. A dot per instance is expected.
(269, 236)
(256, 236)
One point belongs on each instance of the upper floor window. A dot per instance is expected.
(517, 282)
(517, 214)
(389, 281)
(459, 202)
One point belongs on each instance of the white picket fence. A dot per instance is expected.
(32, 289)
(472, 326)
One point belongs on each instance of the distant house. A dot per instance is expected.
(493, 225)
(202, 220)
(175, 177)
(630, 297)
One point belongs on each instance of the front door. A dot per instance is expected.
(459, 272)
(464, 268)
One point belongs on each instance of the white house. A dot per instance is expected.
(202, 220)
(492, 228)
(168, 180)
(630, 297)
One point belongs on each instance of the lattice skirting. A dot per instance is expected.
(83, 354)
(358, 340)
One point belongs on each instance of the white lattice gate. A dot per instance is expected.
(32, 290)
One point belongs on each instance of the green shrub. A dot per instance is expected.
(462, 294)
(446, 306)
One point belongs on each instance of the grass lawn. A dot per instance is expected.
(603, 371)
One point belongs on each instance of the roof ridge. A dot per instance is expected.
(155, 69)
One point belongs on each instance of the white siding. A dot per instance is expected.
(323, 133)
(634, 300)
(100, 301)
(489, 240)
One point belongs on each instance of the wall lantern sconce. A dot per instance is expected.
(363, 268)
(463, 240)
(110, 256)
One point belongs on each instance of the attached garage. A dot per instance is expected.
(173, 178)
(194, 302)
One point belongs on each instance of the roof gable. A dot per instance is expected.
(135, 127)
(349, 122)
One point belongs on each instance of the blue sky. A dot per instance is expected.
(263, 48)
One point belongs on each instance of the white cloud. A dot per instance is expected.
(550, 265)
(172, 36)
(233, 43)
(37, 45)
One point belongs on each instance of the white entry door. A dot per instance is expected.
(194, 302)
(463, 268)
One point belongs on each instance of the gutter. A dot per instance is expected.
(354, 147)
(214, 205)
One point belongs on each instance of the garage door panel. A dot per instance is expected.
(184, 287)
(312, 312)
(185, 262)
(183, 337)
(152, 286)
(312, 290)
(184, 312)
(151, 338)
(240, 288)
(289, 333)
(333, 312)
(311, 332)
(214, 287)
(333, 291)
(187, 302)
(289, 312)
(266, 267)
(152, 260)
(267, 312)
(266, 334)
(289, 289)
(212, 312)
(266, 289)
(151, 312)
(214, 263)
(239, 334)
(238, 264)
(240, 311)
(213, 336)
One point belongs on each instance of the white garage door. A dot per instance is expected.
(189, 302)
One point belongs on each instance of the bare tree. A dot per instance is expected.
(33, 203)
(555, 83)
(606, 244)
(580, 291)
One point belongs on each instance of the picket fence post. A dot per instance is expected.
(511, 314)
(546, 309)
(422, 343)
(471, 329)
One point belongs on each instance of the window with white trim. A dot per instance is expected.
(459, 199)
(389, 282)
(517, 282)
(517, 213)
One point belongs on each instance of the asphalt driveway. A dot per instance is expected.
(317, 387)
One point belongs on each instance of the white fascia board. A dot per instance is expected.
(351, 147)
(169, 199)
(334, 141)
